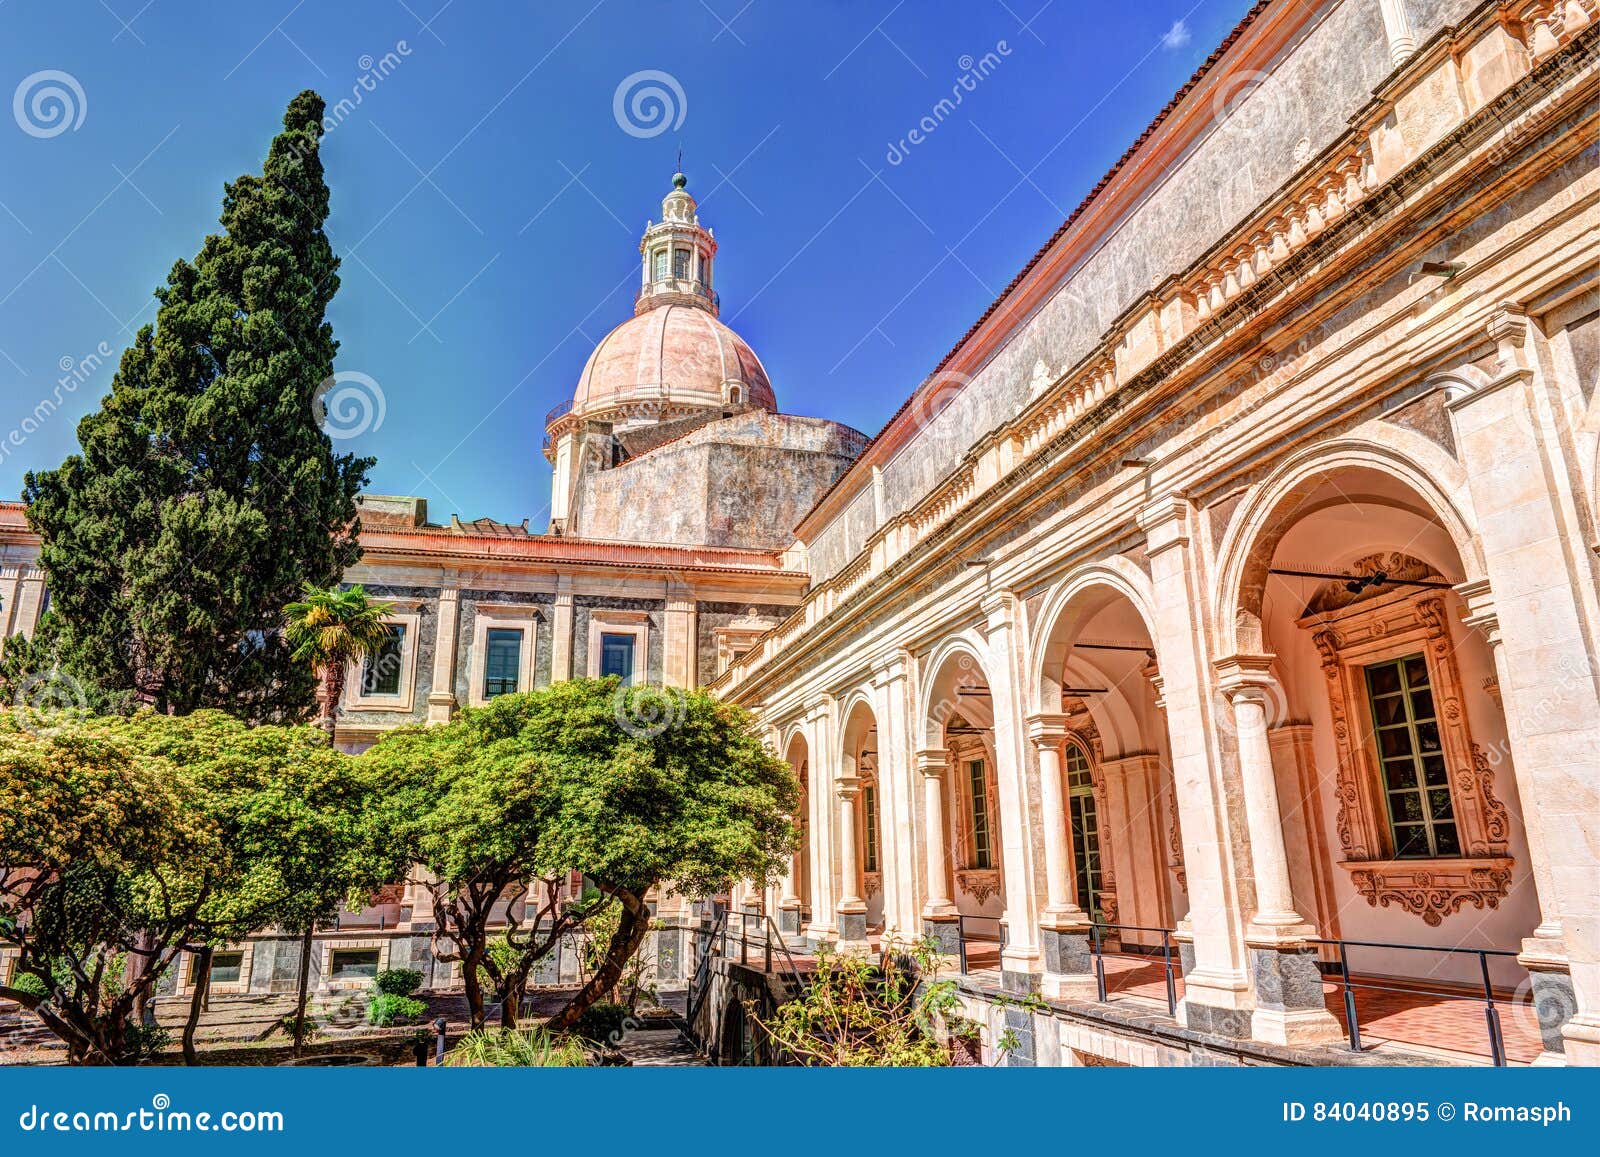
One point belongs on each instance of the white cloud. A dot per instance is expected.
(1176, 36)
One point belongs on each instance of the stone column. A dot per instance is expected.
(1217, 996)
(1289, 1005)
(1064, 929)
(1397, 26)
(1517, 447)
(940, 921)
(897, 801)
(851, 911)
(30, 601)
(561, 632)
(824, 769)
(10, 579)
(442, 695)
(1019, 960)
(789, 899)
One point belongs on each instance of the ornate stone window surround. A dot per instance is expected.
(1376, 630)
(604, 621)
(738, 636)
(979, 883)
(406, 613)
(522, 617)
(186, 974)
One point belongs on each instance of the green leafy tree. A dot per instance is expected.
(207, 492)
(327, 629)
(465, 808)
(127, 840)
(107, 857)
(646, 787)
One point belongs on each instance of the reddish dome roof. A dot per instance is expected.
(675, 353)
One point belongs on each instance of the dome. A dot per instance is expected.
(675, 355)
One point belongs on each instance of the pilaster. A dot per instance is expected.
(561, 631)
(1020, 960)
(447, 624)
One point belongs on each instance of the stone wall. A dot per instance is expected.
(1274, 124)
(742, 481)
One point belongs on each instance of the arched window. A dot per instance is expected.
(1085, 828)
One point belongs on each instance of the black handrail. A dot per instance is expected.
(1097, 949)
(961, 936)
(702, 971)
(1491, 1011)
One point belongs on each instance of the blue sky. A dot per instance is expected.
(488, 201)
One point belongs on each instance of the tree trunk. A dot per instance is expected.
(473, 983)
(328, 696)
(628, 938)
(197, 1002)
(305, 988)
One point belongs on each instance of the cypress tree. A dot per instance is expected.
(207, 494)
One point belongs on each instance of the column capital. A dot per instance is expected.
(999, 608)
(931, 761)
(848, 787)
(1165, 522)
(1245, 676)
(449, 594)
(1047, 728)
(890, 668)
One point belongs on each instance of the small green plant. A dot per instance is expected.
(603, 1022)
(517, 1048)
(389, 1008)
(858, 1012)
(397, 981)
(141, 1042)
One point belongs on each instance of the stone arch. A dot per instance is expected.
(1273, 505)
(933, 709)
(1085, 590)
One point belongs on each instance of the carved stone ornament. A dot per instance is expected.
(979, 883)
(1380, 623)
(871, 884)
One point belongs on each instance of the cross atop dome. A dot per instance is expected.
(676, 255)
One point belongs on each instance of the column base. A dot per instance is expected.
(1555, 1003)
(1289, 1004)
(1215, 1003)
(1580, 1039)
(789, 919)
(945, 932)
(853, 932)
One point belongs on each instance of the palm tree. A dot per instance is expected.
(329, 629)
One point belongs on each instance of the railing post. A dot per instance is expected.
(1166, 960)
(1099, 962)
(744, 938)
(1497, 1044)
(961, 942)
(1349, 999)
(766, 953)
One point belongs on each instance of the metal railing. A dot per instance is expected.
(714, 945)
(962, 937)
(1097, 933)
(1491, 1011)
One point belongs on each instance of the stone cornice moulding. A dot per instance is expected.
(872, 562)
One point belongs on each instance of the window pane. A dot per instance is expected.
(1417, 671)
(381, 673)
(616, 656)
(1446, 842)
(225, 967)
(978, 789)
(1406, 806)
(1439, 804)
(1410, 840)
(680, 263)
(502, 661)
(1394, 743)
(1384, 680)
(661, 265)
(355, 964)
(1422, 704)
(1401, 773)
(1428, 736)
(1388, 711)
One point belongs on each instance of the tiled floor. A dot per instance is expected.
(1389, 1013)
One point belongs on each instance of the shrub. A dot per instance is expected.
(31, 984)
(387, 1008)
(397, 981)
(517, 1048)
(603, 1022)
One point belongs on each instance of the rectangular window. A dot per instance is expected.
(680, 264)
(380, 675)
(616, 656)
(869, 827)
(354, 964)
(660, 271)
(982, 855)
(1422, 818)
(225, 967)
(1085, 822)
(502, 661)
